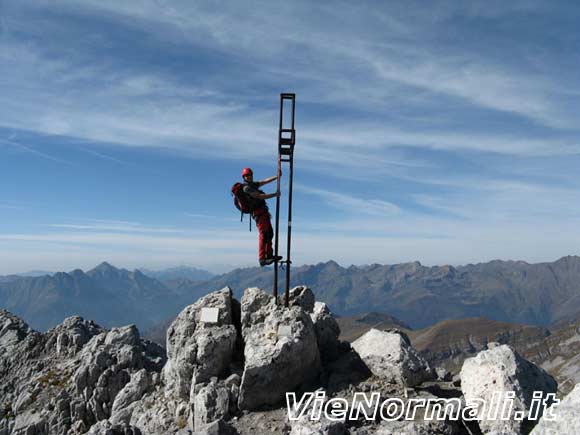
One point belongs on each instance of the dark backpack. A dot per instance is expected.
(245, 203)
(242, 200)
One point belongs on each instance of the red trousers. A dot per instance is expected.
(262, 218)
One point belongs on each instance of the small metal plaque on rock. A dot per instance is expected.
(210, 315)
(284, 331)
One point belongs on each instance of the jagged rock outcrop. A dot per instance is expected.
(196, 350)
(302, 296)
(104, 427)
(563, 418)
(66, 380)
(70, 336)
(211, 403)
(389, 355)
(327, 332)
(281, 350)
(502, 370)
(193, 392)
(226, 374)
(106, 365)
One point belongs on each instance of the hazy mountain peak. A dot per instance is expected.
(104, 267)
(569, 259)
(333, 264)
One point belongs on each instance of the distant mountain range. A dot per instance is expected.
(419, 296)
(510, 291)
(179, 273)
(106, 294)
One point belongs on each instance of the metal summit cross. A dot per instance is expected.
(286, 142)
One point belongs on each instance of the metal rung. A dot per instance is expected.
(287, 140)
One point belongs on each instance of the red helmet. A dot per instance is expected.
(247, 171)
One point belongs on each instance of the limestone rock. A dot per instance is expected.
(323, 426)
(13, 330)
(197, 348)
(502, 370)
(211, 404)
(104, 427)
(566, 416)
(132, 391)
(327, 332)
(281, 351)
(302, 296)
(71, 335)
(389, 355)
(218, 427)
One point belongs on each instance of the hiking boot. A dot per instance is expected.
(271, 260)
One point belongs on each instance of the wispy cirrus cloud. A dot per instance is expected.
(120, 226)
(352, 204)
(466, 111)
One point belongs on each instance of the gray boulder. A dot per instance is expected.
(389, 355)
(13, 330)
(323, 426)
(218, 427)
(281, 350)
(562, 418)
(211, 403)
(104, 427)
(200, 349)
(105, 365)
(132, 391)
(197, 350)
(501, 370)
(302, 296)
(327, 332)
(71, 335)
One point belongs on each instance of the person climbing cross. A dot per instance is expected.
(261, 214)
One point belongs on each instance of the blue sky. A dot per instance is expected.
(446, 133)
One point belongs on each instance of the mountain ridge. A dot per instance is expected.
(419, 296)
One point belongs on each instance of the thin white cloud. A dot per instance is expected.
(201, 216)
(379, 96)
(352, 204)
(129, 228)
(261, 37)
(29, 149)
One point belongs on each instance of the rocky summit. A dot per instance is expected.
(227, 366)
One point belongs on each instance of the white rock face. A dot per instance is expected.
(327, 332)
(275, 363)
(104, 427)
(198, 349)
(566, 416)
(389, 355)
(501, 370)
(71, 335)
(132, 391)
(212, 403)
(198, 354)
(305, 426)
(302, 296)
